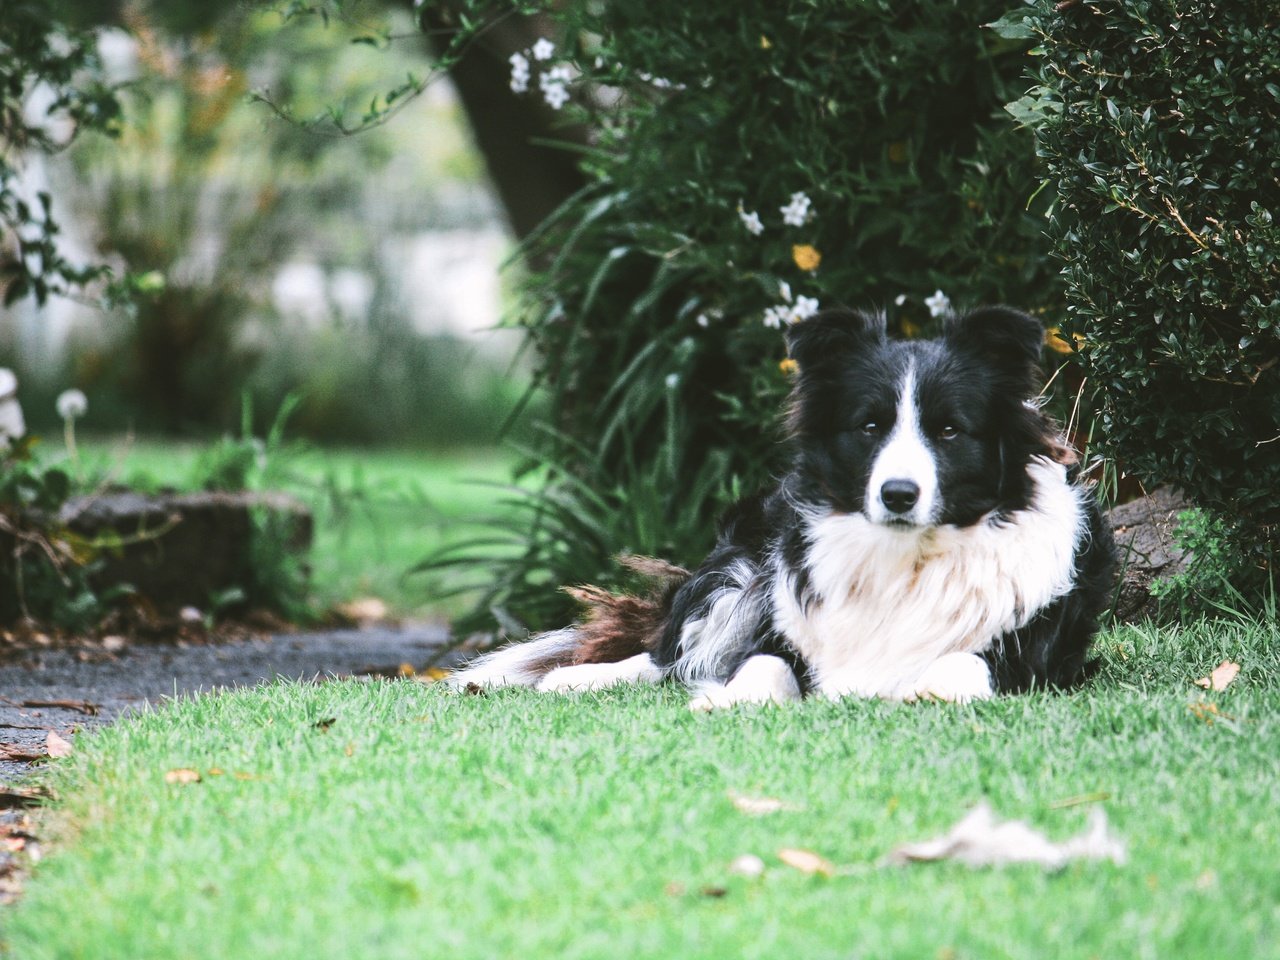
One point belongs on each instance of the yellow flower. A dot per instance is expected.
(806, 256)
(788, 366)
(764, 43)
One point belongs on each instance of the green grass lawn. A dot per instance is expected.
(377, 512)
(392, 819)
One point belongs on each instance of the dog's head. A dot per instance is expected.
(917, 433)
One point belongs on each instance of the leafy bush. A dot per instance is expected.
(754, 163)
(52, 574)
(44, 566)
(1160, 124)
(48, 52)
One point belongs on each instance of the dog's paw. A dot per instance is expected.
(955, 678)
(762, 679)
(600, 676)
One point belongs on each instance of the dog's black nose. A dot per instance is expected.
(899, 496)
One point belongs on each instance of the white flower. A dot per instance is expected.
(12, 424)
(72, 404)
(751, 220)
(775, 317)
(789, 313)
(519, 73)
(795, 213)
(804, 308)
(557, 74)
(544, 49)
(939, 304)
(555, 94)
(673, 380)
(659, 83)
(703, 321)
(900, 299)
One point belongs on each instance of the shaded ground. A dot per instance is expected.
(67, 690)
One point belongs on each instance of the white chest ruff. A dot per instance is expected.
(887, 603)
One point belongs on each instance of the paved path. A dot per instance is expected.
(80, 691)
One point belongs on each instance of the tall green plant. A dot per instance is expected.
(755, 162)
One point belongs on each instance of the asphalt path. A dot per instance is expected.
(68, 691)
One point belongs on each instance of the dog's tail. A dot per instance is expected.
(612, 628)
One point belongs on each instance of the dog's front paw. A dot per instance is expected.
(955, 678)
(600, 676)
(762, 679)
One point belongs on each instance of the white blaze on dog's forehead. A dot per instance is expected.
(906, 455)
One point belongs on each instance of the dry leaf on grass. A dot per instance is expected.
(183, 775)
(759, 806)
(806, 861)
(1221, 677)
(58, 747)
(979, 840)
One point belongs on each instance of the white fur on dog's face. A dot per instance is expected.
(905, 456)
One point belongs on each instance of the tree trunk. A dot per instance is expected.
(530, 153)
(1143, 529)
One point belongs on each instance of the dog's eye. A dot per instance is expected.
(949, 432)
(871, 428)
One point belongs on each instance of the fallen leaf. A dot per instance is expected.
(747, 865)
(713, 891)
(979, 840)
(406, 670)
(12, 798)
(432, 674)
(58, 747)
(363, 610)
(1208, 712)
(806, 861)
(83, 706)
(215, 771)
(16, 754)
(1221, 677)
(182, 775)
(759, 806)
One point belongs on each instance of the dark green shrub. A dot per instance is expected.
(650, 320)
(1160, 124)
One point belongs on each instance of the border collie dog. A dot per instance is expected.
(930, 541)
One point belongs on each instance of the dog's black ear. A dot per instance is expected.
(833, 334)
(1007, 337)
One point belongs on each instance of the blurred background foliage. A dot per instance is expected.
(266, 256)
(669, 183)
